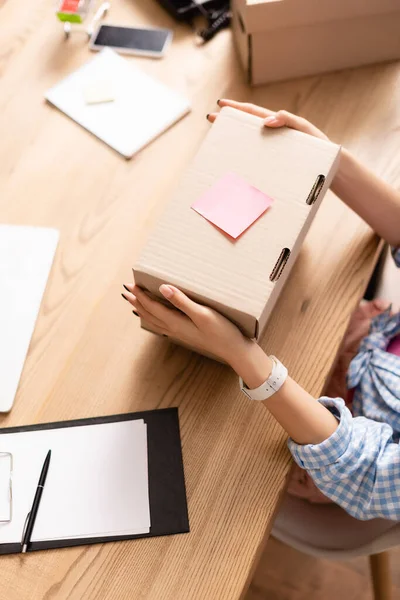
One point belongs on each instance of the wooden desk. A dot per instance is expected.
(88, 356)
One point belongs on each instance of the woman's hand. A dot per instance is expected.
(304, 419)
(370, 197)
(202, 328)
(191, 324)
(272, 119)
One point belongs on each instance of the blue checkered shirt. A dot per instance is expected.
(358, 466)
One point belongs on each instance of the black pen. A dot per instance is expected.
(31, 517)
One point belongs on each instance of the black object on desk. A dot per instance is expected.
(185, 10)
(31, 517)
(167, 493)
(216, 12)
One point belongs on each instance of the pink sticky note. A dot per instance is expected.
(232, 204)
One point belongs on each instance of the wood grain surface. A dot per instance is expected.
(88, 356)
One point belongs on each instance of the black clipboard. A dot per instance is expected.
(167, 492)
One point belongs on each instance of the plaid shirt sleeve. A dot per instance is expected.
(358, 466)
(396, 255)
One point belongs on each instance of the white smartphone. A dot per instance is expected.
(132, 40)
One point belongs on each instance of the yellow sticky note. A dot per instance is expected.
(98, 91)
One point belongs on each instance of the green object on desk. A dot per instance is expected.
(69, 17)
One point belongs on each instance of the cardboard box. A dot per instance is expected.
(283, 39)
(242, 278)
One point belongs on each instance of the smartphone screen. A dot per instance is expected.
(146, 41)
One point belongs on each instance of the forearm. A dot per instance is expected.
(302, 416)
(353, 461)
(374, 200)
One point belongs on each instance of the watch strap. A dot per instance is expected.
(270, 386)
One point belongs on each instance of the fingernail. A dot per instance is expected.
(123, 285)
(271, 120)
(166, 291)
(124, 297)
(135, 313)
(207, 116)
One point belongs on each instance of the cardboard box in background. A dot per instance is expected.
(283, 39)
(242, 278)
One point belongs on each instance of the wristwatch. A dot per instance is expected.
(269, 387)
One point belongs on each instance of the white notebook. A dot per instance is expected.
(96, 486)
(26, 256)
(137, 108)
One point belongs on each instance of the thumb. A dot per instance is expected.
(180, 300)
(284, 118)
